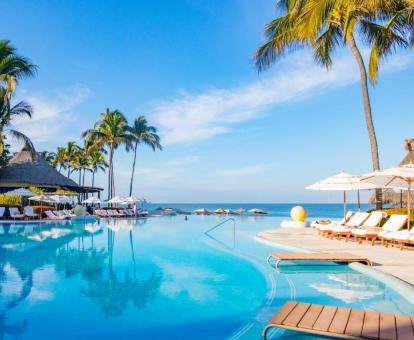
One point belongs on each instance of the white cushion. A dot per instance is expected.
(395, 223)
(374, 219)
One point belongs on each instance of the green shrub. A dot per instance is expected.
(36, 190)
(10, 200)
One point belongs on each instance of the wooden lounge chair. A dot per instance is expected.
(369, 229)
(339, 322)
(51, 216)
(343, 231)
(321, 225)
(391, 227)
(317, 257)
(2, 212)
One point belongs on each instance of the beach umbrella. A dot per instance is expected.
(219, 211)
(116, 200)
(399, 177)
(92, 200)
(257, 211)
(202, 211)
(42, 198)
(130, 200)
(240, 211)
(21, 192)
(61, 199)
(343, 182)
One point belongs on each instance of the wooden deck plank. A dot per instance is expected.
(404, 327)
(387, 327)
(283, 312)
(296, 314)
(340, 321)
(325, 318)
(311, 316)
(355, 323)
(370, 329)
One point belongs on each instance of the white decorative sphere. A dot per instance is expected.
(299, 214)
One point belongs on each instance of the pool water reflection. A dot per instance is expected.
(159, 278)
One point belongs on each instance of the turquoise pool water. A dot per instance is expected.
(161, 278)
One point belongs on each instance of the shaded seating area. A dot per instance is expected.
(344, 323)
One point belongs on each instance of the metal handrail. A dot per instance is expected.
(207, 233)
(220, 224)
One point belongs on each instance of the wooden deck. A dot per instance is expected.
(318, 257)
(345, 323)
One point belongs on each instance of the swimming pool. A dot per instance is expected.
(161, 278)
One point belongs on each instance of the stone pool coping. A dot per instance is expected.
(391, 265)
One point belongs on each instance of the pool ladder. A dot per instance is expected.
(231, 219)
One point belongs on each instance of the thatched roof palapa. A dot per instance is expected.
(25, 170)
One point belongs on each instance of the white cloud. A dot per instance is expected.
(52, 113)
(194, 117)
(245, 171)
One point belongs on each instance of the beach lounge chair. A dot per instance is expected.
(28, 212)
(325, 224)
(15, 214)
(68, 213)
(342, 230)
(100, 213)
(391, 228)
(51, 216)
(2, 212)
(369, 229)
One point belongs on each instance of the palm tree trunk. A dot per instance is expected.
(110, 173)
(133, 169)
(83, 178)
(80, 176)
(368, 113)
(60, 168)
(68, 171)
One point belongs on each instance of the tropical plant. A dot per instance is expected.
(37, 190)
(8, 113)
(10, 200)
(324, 25)
(97, 162)
(142, 133)
(49, 157)
(13, 67)
(80, 163)
(109, 132)
(60, 158)
(70, 155)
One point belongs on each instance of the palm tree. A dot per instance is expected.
(49, 157)
(8, 113)
(60, 158)
(70, 155)
(97, 162)
(323, 25)
(81, 164)
(109, 132)
(141, 133)
(12, 68)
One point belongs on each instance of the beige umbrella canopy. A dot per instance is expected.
(240, 211)
(399, 177)
(342, 182)
(219, 211)
(258, 211)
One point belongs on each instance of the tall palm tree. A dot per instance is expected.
(71, 152)
(97, 162)
(109, 132)
(49, 157)
(60, 158)
(81, 164)
(13, 67)
(142, 133)
(8, 113)
(323, 25)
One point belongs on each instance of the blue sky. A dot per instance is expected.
(229, 134)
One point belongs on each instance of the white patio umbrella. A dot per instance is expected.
(343, 182)
(399, 177)
(116, 200)
(61, 199)
(130, 200)
(92, 200)
(42, 198)
(21, 192)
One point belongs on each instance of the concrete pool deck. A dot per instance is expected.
(391, 261)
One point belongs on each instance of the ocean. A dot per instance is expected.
(314, 210)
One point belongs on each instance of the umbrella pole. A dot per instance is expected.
(359, 202)
(409, 204)
(344, 205)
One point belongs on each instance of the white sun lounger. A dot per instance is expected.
(52, 216)
(15, 213)
(2, 211)
(324, 224)
(28, 211)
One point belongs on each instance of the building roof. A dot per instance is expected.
(23, 170)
